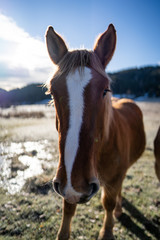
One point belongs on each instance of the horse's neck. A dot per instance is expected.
(112, 131)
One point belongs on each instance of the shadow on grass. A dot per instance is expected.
(131, 226)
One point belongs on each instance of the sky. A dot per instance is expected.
(23, 54)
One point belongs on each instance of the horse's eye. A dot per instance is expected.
(105, 91)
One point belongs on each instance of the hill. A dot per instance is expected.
(26, 95)
(136, 82)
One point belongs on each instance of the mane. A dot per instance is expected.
(77, 59)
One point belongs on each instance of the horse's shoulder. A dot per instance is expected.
(126, 107)
(118, 103)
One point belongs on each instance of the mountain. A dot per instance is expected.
(26, 95)
(2, 91)
(136, 82)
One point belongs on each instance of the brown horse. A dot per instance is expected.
(98, 139)
(157, 154)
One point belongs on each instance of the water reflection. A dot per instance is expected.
(26, 159)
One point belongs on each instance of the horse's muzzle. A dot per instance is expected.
(93, 189)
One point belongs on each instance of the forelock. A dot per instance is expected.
(77, 59)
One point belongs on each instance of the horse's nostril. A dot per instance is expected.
(56, 186)
(94, 188)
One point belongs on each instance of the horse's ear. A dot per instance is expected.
(55, 45)
(105, 45)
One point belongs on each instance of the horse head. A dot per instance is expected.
(82, 99)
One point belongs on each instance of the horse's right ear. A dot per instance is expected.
(105, 45)
(55, 45)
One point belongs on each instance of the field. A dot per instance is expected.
(29, 209)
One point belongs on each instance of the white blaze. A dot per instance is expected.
(76, 83)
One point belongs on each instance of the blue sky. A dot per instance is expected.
(23, 55)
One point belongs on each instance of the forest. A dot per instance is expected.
(137, 82)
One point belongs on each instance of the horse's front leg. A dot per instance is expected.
(109, 203)
(68, 212)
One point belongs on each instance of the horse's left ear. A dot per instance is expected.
(105, 45)
(55, 45)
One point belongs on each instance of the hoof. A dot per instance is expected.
(106, 236)
(62, 237)
(118, 213)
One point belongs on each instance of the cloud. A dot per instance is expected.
(23, 59)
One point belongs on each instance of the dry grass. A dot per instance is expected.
(151, 114)
(37, 114)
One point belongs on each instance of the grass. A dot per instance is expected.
(30, 216)
(36, 216)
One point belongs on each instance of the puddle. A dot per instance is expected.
(26, 160)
